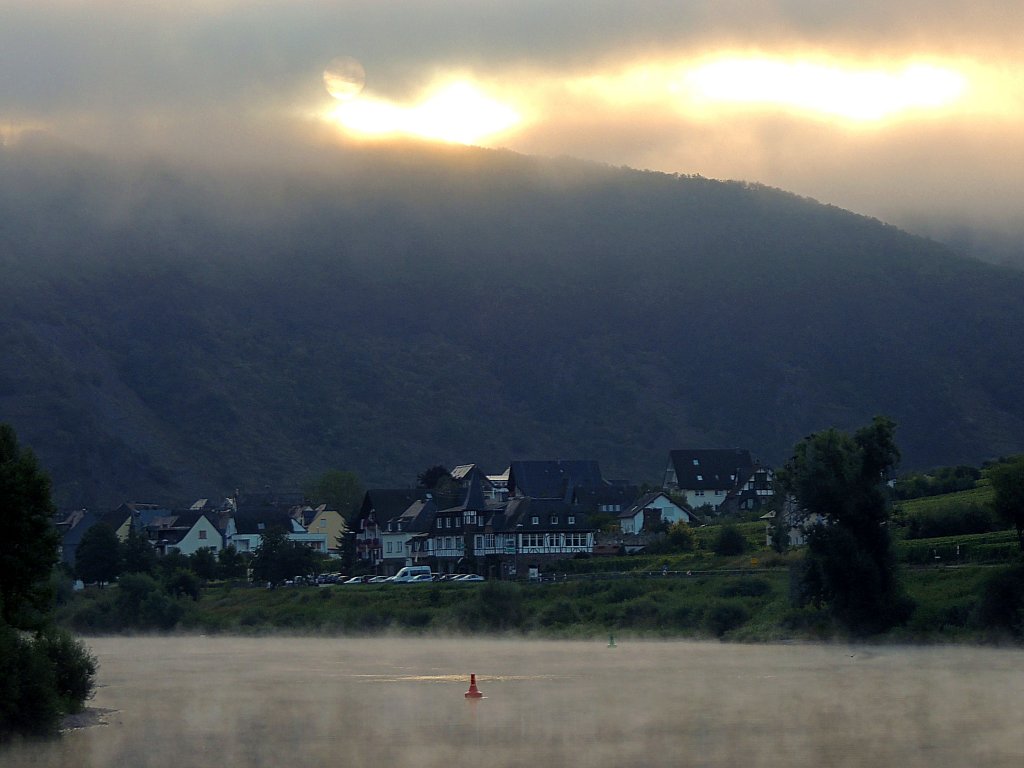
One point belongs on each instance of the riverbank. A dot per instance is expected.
(751, 606)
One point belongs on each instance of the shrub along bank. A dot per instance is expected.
(958, 604)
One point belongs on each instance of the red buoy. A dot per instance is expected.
(473, 692)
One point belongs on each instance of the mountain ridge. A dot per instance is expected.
(177, 332)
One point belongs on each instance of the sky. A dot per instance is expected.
(907, 110)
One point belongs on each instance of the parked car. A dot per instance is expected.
(470, 577)
(359, 579)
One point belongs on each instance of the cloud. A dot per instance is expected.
(226, 76)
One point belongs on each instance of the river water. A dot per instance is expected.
(396, 703)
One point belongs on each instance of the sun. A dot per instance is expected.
(457, 112)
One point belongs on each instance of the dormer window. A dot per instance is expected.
(572, 519)
(535, 520)
(700, 477)
(439, 522)
(260, 526)
(696, 462)
(554, 519)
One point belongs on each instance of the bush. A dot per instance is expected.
(730, 541)
(1000, 608)
(722, 617)
(747, 586)
(28, 700)
(953, 521)
(74, 669)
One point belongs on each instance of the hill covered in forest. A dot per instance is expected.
(169, 332)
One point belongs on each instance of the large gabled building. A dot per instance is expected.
(720, 478)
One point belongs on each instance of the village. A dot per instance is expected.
(501, 526)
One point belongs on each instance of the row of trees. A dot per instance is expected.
(44, 672)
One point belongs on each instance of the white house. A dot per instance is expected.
(650, 510)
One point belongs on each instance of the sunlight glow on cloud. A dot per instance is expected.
(458, 112)
(857, 94)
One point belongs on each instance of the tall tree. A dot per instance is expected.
(28, 543)
(838, 481)
(1008, 483)
(47, 673)
(431, 476)
(278, 558)
(98, 556)
(338, 489)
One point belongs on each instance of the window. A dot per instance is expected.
(719, 493)
(471, 518)
(447, 522)
(698, 493)
(202, 534)
(696, 462)
(572, 519)
(535, 520)
(389, 547)
(323, 523)
(533, 540)
(439, 523)
(553, 520)
(489, 541)
(448, 542)
(478, 542)
(700, 477)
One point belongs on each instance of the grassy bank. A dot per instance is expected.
(753, 606)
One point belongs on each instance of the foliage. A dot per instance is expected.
(98, 556)
(849, 567)
(142, 603)
(232, 563)
(29, 704)
(729, 541)
(74, 668)
(137, 554)
(938, 482)
(338, 489)
(28, 543)
(277, 558)
(183, 583)
(950, 521)
(48, 673)
(1000, 608)
(204, 563)
(431, 476)
(1008, 483)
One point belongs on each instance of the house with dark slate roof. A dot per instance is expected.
(724, 479)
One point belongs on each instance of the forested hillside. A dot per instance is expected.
(170, 332)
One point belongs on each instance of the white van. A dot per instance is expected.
(412, 573)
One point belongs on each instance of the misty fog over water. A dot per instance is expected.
(218, 701)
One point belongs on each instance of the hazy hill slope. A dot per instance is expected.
(169, 332)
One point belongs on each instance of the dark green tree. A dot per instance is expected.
(729, 541)
(138, 555)
(44, 672)
(231, 563)
(839, 482)
(28, 542)
(203, 563)
(278, 558)
(1008, 503)
(98, 556)
(338, 489)
(431, 476)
